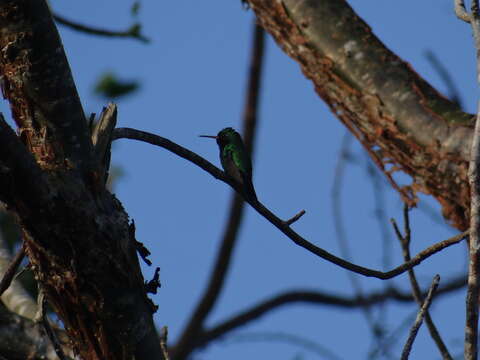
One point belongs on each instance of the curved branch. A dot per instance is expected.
(314, 298)
(133, 32)
(280, 224)
(186, 342)
(398, 117)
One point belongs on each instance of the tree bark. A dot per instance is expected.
(402, 121)
(77, 234)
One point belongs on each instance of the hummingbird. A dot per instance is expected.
(235, 160)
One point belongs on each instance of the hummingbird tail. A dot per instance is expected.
(250, 190)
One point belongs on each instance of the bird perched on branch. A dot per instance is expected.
(235, 160)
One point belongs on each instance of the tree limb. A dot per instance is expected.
(76, 233)
(186, 342)
(127, 133)
(314, 297)
(133, 32)
(31, 52)
(402, 122)
(416, 291)
(418, 321)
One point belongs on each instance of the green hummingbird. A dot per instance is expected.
(235, 159)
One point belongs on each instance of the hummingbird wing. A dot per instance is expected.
(244, 164)
(237, 164)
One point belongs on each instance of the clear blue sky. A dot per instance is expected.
(193, 76)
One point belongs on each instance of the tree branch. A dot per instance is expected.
(315, 298)
(403, 122)
(417, 293)
(133, 32)
(127, 133)
(418, 321)
(186, 342)
(11, 269)
(22, 338)
(20, 176)
(473, 288)
(37, 81)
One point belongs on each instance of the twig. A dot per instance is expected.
(340, 234)
(418, 321)
(11, 269)
(417, 294)
(102, 139)
(163, 342)
(471, 326)
(48, 328)
(127, 133)
(15, 298)
(133, 32)
(394, 336)
(187, 340)
(315, 298)
(294, 218)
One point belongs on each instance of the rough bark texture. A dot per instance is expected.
(77, 234)
(402, 122)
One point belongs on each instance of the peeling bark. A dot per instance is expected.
(77, 234)
(402, 121)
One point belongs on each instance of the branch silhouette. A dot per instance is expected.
(133, 32)
(315, 298)
(128, 133)
(416, 291)
(187, 340)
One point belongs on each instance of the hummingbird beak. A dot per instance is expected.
(208, 136)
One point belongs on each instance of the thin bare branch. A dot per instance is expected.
(9, 273)
(473, 288)
(417, 293)
(186, 342)
(315, 298)
(15, 297)
(340, 233)
(50, 332)
(23, 339)
(102, 139)
(418, 321)
(131, 33)
(294, 218)
(163, 342)
(471, 328)
(127, 133)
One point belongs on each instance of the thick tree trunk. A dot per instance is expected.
(402, 121)
(78, 237)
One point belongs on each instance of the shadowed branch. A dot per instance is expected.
(127, 133)
(315, 298)
(418, 321)
(187, 339)
(417, 294)
(132, 32)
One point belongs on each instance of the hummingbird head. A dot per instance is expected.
(225, 137)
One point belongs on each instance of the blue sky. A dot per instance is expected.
(193, 76)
